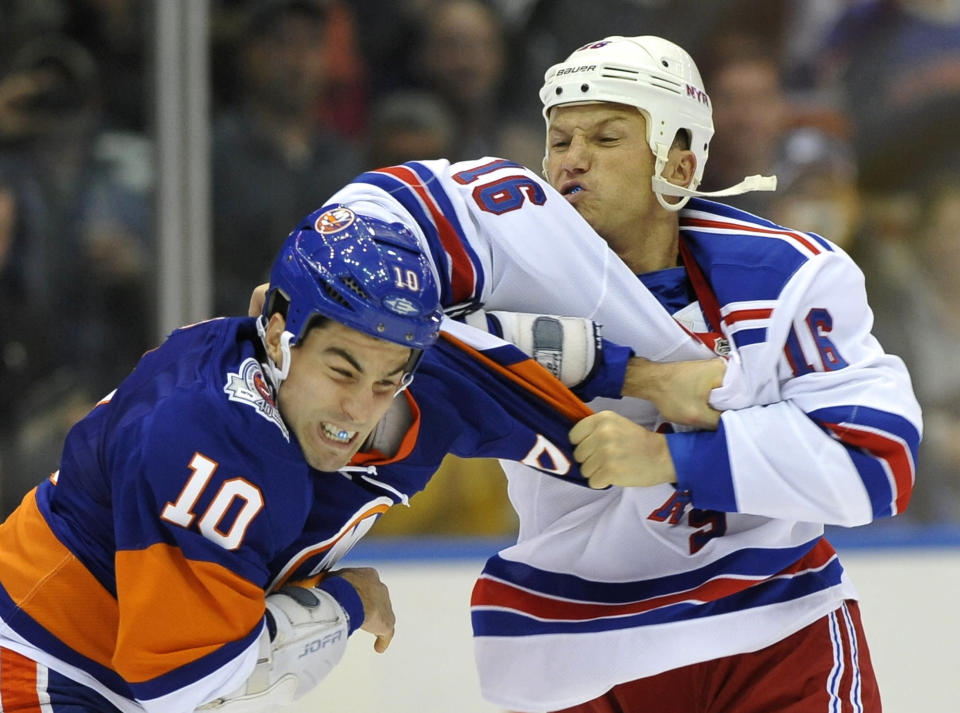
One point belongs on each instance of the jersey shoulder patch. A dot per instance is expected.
(248, 386)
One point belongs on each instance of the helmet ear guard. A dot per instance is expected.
(660, 79)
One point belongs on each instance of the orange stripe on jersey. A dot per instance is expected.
(174, 611)
(18, 683)
(326, 545)
(534, 378)
(50, 584)
(406, 444)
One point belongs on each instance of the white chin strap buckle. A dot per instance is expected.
(747, 185)
(405, 382)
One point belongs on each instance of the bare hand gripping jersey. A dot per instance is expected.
(608, 586)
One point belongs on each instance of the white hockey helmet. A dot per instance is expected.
(657, 77)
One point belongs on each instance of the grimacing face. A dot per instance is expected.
(341, 383)
(599, 159)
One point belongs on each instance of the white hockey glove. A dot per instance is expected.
(565, 346)
(311, 637)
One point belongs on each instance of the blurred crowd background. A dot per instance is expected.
(854, 104)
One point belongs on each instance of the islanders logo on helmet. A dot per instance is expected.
(361, 271)
(334, 220)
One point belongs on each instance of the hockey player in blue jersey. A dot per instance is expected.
(153, 570)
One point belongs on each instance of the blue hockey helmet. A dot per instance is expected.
(358, 270)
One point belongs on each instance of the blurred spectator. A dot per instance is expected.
(79, 230)
(113, 31)
(21, 19)
(272, 154)
(792, 31)
(805, 24)
(344, 106)
(407, 125)
(386, 35)
(462, 56)
(910, 255)
(742, 78)
(899, 63)
(74, 251)
(817, 188)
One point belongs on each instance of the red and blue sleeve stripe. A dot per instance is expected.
(883, 447)
(419, 191)
(448, 212)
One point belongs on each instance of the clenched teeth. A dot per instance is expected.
(334, 433)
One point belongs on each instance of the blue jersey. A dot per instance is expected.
(141, 566)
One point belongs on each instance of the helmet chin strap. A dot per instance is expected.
(276, 375)
(748, 184)
(661, 187)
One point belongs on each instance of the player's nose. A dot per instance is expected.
(358, 404)
(577, 156)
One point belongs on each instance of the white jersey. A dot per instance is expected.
(819, 426)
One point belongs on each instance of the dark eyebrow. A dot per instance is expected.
(347, 356)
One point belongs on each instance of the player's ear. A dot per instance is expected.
(275, 327)
(681, 167)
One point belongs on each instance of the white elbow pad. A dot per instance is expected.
(311, 637)
(565, 346)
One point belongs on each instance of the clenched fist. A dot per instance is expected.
(613, 450)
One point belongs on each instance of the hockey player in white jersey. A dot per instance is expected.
(728, 598)
(700, 581)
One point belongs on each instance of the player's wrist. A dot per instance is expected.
(348, 597)
(642, 379)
